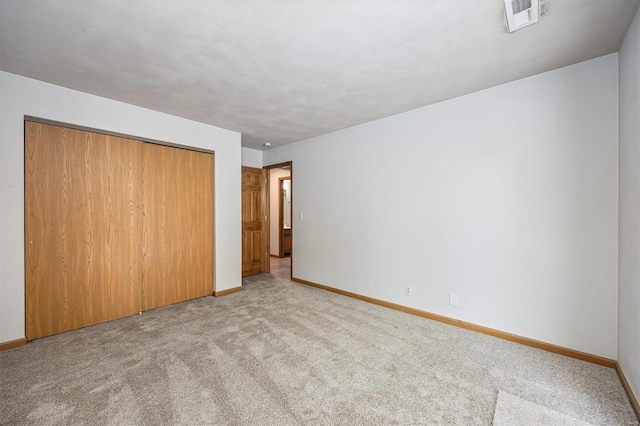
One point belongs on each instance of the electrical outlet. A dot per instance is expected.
(453, 299)
(407, 290)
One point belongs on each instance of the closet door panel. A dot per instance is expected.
(178, 225)
(83, 228)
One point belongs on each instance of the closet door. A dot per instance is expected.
(178, 225)
(82, 227)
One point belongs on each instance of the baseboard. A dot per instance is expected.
(227, 291)
(595, 359)
(627, 389)
(12, 344)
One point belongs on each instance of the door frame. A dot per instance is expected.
(279, 166)
(281, 214)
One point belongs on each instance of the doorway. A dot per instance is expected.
(284, 207)
(281, 219)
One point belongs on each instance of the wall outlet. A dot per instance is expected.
(407, 290)
(453, 299)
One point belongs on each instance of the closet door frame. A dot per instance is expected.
(133, 138)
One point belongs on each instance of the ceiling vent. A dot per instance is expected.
(521, 13)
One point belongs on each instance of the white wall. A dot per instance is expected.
(252, 158)
(21, 96)
(274, 208)
(507, 197)
(629, 214)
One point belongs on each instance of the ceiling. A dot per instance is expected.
(282, 71)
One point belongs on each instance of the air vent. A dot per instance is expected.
(518, 6)
(521, 13)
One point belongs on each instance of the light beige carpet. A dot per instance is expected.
(281, 353)
(511, 410)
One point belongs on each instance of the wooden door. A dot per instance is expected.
(178, 225)
(255, 244)
(113, 226)
(82, 228)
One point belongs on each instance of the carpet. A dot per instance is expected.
(511, 410)
(281, 353)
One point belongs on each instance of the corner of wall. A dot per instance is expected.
(629, 209)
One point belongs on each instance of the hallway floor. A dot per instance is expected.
(281, 267)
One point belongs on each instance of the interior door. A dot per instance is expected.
(82, 228)
(255, 237)
(177, 187)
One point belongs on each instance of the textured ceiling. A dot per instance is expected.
(282, 71)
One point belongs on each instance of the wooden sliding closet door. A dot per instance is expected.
(178, 225)
(113, 227)
(82, 227)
